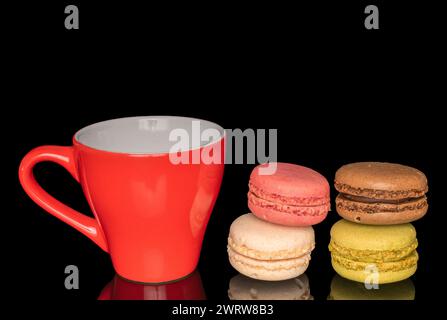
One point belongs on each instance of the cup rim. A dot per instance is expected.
(90, 126)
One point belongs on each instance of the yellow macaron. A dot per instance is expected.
(373, 254)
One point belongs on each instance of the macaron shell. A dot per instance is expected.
(303, 216)
(259, 239)
(360, 237)
(383, 277)
(269, 270)
(245, 288)
(381, 180)
(291, 180)
(381, 214)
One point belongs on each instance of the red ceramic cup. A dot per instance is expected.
(150, 213)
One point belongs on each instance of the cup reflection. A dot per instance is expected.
(244, 288)
(189, 288)
(344, 289)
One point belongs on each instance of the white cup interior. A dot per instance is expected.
(145, 135)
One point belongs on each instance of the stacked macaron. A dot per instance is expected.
(375, 242)
(293, 196)
(275, 240)
(266, 251)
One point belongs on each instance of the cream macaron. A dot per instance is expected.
(267, 251)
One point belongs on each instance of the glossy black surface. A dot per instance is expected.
(336, 94)
(52, 245)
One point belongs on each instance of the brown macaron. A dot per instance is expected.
(380, 193)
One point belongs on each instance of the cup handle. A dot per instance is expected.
(63, 156)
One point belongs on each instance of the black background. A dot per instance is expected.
(336, 92)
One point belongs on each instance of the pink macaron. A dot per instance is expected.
(293, 195)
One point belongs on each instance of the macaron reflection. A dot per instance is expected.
(245, 288)
(189, 288)
(344, 289)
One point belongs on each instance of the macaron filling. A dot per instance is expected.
(291, 201)
(297, 210)
(380, 194)
(271, 265)
(371, 205)
(372, 200)
(405, 263)
(268, 255)
(372, 255)
(384, 260)
(309, 206)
